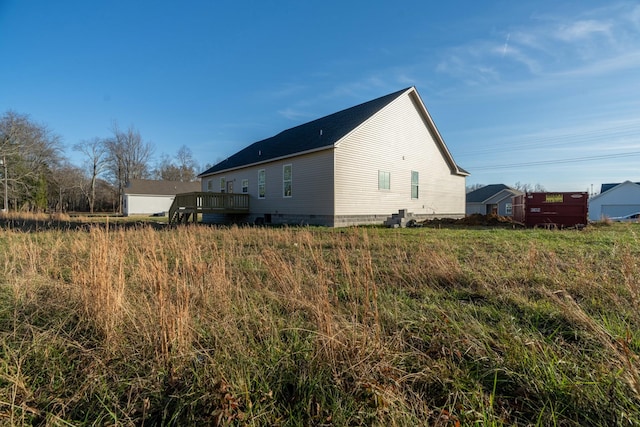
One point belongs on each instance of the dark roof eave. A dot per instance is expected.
(462, 172)
(274, 159)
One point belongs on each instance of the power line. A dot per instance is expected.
(557, 161)
(559, 139)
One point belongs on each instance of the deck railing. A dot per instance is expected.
(186, 204)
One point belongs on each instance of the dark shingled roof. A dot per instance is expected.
(314, 135)
(483, 193)
(160, 188)
(607, 187)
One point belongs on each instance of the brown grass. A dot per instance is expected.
(263, 326)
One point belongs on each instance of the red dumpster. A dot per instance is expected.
(551, 210)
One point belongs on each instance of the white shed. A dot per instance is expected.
(146, 197)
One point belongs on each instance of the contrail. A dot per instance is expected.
(506, 45)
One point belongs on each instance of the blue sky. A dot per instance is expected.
(542, 92)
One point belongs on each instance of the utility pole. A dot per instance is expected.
(3, 162)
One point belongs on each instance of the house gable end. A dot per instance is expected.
(429, 124)
(506, 194)
(609, 188)
(481, 195)
(322, 133)
(455, 169)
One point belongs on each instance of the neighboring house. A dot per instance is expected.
(144, 196)
(356, 166)
(491, 199)
(615, 200)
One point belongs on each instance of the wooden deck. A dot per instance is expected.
(188, 205)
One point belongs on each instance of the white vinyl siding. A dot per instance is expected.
(397, 139)
(313, 188)
(146, 204)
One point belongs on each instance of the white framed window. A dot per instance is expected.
(210, 185)
(262, 184)
(384, 180)
(287, 180)
(223, 185)
(415, 180)
(245, 185)
(508, 209)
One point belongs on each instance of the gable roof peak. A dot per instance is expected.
(325, 132)
(607, 187)
(481, 194)
(317, 134)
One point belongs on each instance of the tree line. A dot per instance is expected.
(37, 176)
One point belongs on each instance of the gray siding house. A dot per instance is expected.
(615, 200)
(491, 199)
(356, 166)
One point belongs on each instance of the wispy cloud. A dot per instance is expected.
(549, 45)
(293, 114)
(580, 30)
(506, 45)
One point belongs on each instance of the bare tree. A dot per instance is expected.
(182, 169)
(30, 151)
(529, 188)
(128, 157)
(65, 182)
(95, 152)
(474, 187)
(187, 164)
(167, 170)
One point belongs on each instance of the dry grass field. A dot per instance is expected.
(194, 325)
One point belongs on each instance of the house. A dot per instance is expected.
(491, 199)
(145, 196)
(615, 200)
(356, 166)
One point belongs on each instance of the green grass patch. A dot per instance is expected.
(312, 326)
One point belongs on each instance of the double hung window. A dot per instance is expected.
(415, 179)
(262, 184)
(287, 180)
(384, 180)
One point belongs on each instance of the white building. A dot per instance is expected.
(356, 166)
(615, 200)
(146, 197)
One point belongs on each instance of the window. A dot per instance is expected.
(384, 180)
(415, 179)
(223, 184)
(262, 178)
(245, 185)
(508, 209)
(286, 180)
(210, 185)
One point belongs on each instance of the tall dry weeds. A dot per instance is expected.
(237, 316)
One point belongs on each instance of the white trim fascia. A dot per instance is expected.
(439, 139)
(509, 193)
